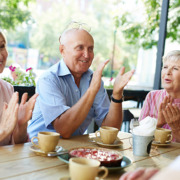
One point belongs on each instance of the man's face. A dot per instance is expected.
(78, 51)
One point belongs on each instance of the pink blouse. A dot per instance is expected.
(152, 103)
(6, 91)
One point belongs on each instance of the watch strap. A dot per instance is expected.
(117, 100)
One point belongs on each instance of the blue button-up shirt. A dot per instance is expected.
(57, 93)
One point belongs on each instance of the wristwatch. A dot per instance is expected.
(117, 100)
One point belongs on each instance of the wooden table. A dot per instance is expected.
(19, 162)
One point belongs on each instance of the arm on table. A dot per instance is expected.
(71, 119)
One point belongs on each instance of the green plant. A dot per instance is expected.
(21, 78)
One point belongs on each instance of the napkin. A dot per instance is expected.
(146, 127)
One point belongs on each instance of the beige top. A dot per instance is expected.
(6, 91)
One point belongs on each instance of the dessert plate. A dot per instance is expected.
(154, 143)
(42, 153)
(116, 143)
(124, 163)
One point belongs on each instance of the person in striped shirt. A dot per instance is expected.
(164, 104)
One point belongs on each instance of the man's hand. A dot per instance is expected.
(96, 79)
(161, 119)
(9, 116)
(121, 81)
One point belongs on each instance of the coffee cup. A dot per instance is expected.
(107, 134)
(162, 135)
(86, 169)
(47, 141)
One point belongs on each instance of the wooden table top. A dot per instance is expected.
(19, 162)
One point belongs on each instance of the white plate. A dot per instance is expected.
(42, 153)
(116, 143)
(154, 143)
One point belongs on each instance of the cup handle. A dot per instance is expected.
(102, 168)
(96, 133)
(170, 138)
(36, 145)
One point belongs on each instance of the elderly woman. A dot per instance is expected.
(13, 118)
(164, 105)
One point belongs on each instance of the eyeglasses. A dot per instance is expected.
(78, 25)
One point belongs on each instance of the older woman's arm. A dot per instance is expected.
(24, 115)
(172, 117)
(9, 117)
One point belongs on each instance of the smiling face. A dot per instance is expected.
(170, 76)
(3, 53)
(77, 50)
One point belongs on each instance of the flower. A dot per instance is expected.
(12, 68)
(21, 78)
(28, 69)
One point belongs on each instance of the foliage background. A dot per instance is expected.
(39, 27)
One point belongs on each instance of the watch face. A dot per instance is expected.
(106, 157)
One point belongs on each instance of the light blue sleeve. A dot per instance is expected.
(51, 100)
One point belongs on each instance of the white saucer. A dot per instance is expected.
(40, 152)
(116, 143)
(159, 144)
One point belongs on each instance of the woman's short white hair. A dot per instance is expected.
(172, 56)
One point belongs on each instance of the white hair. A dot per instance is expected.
(172, 56)
(63, 37)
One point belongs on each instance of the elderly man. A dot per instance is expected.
(71, 95)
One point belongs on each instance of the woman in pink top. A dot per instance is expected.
(13, 117)
(164, 105)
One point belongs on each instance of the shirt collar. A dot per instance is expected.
(63, 70)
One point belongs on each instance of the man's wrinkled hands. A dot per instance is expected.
(121, 81)
(96, 80)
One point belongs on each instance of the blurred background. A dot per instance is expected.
(125, 31)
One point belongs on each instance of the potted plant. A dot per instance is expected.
(23, 81)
